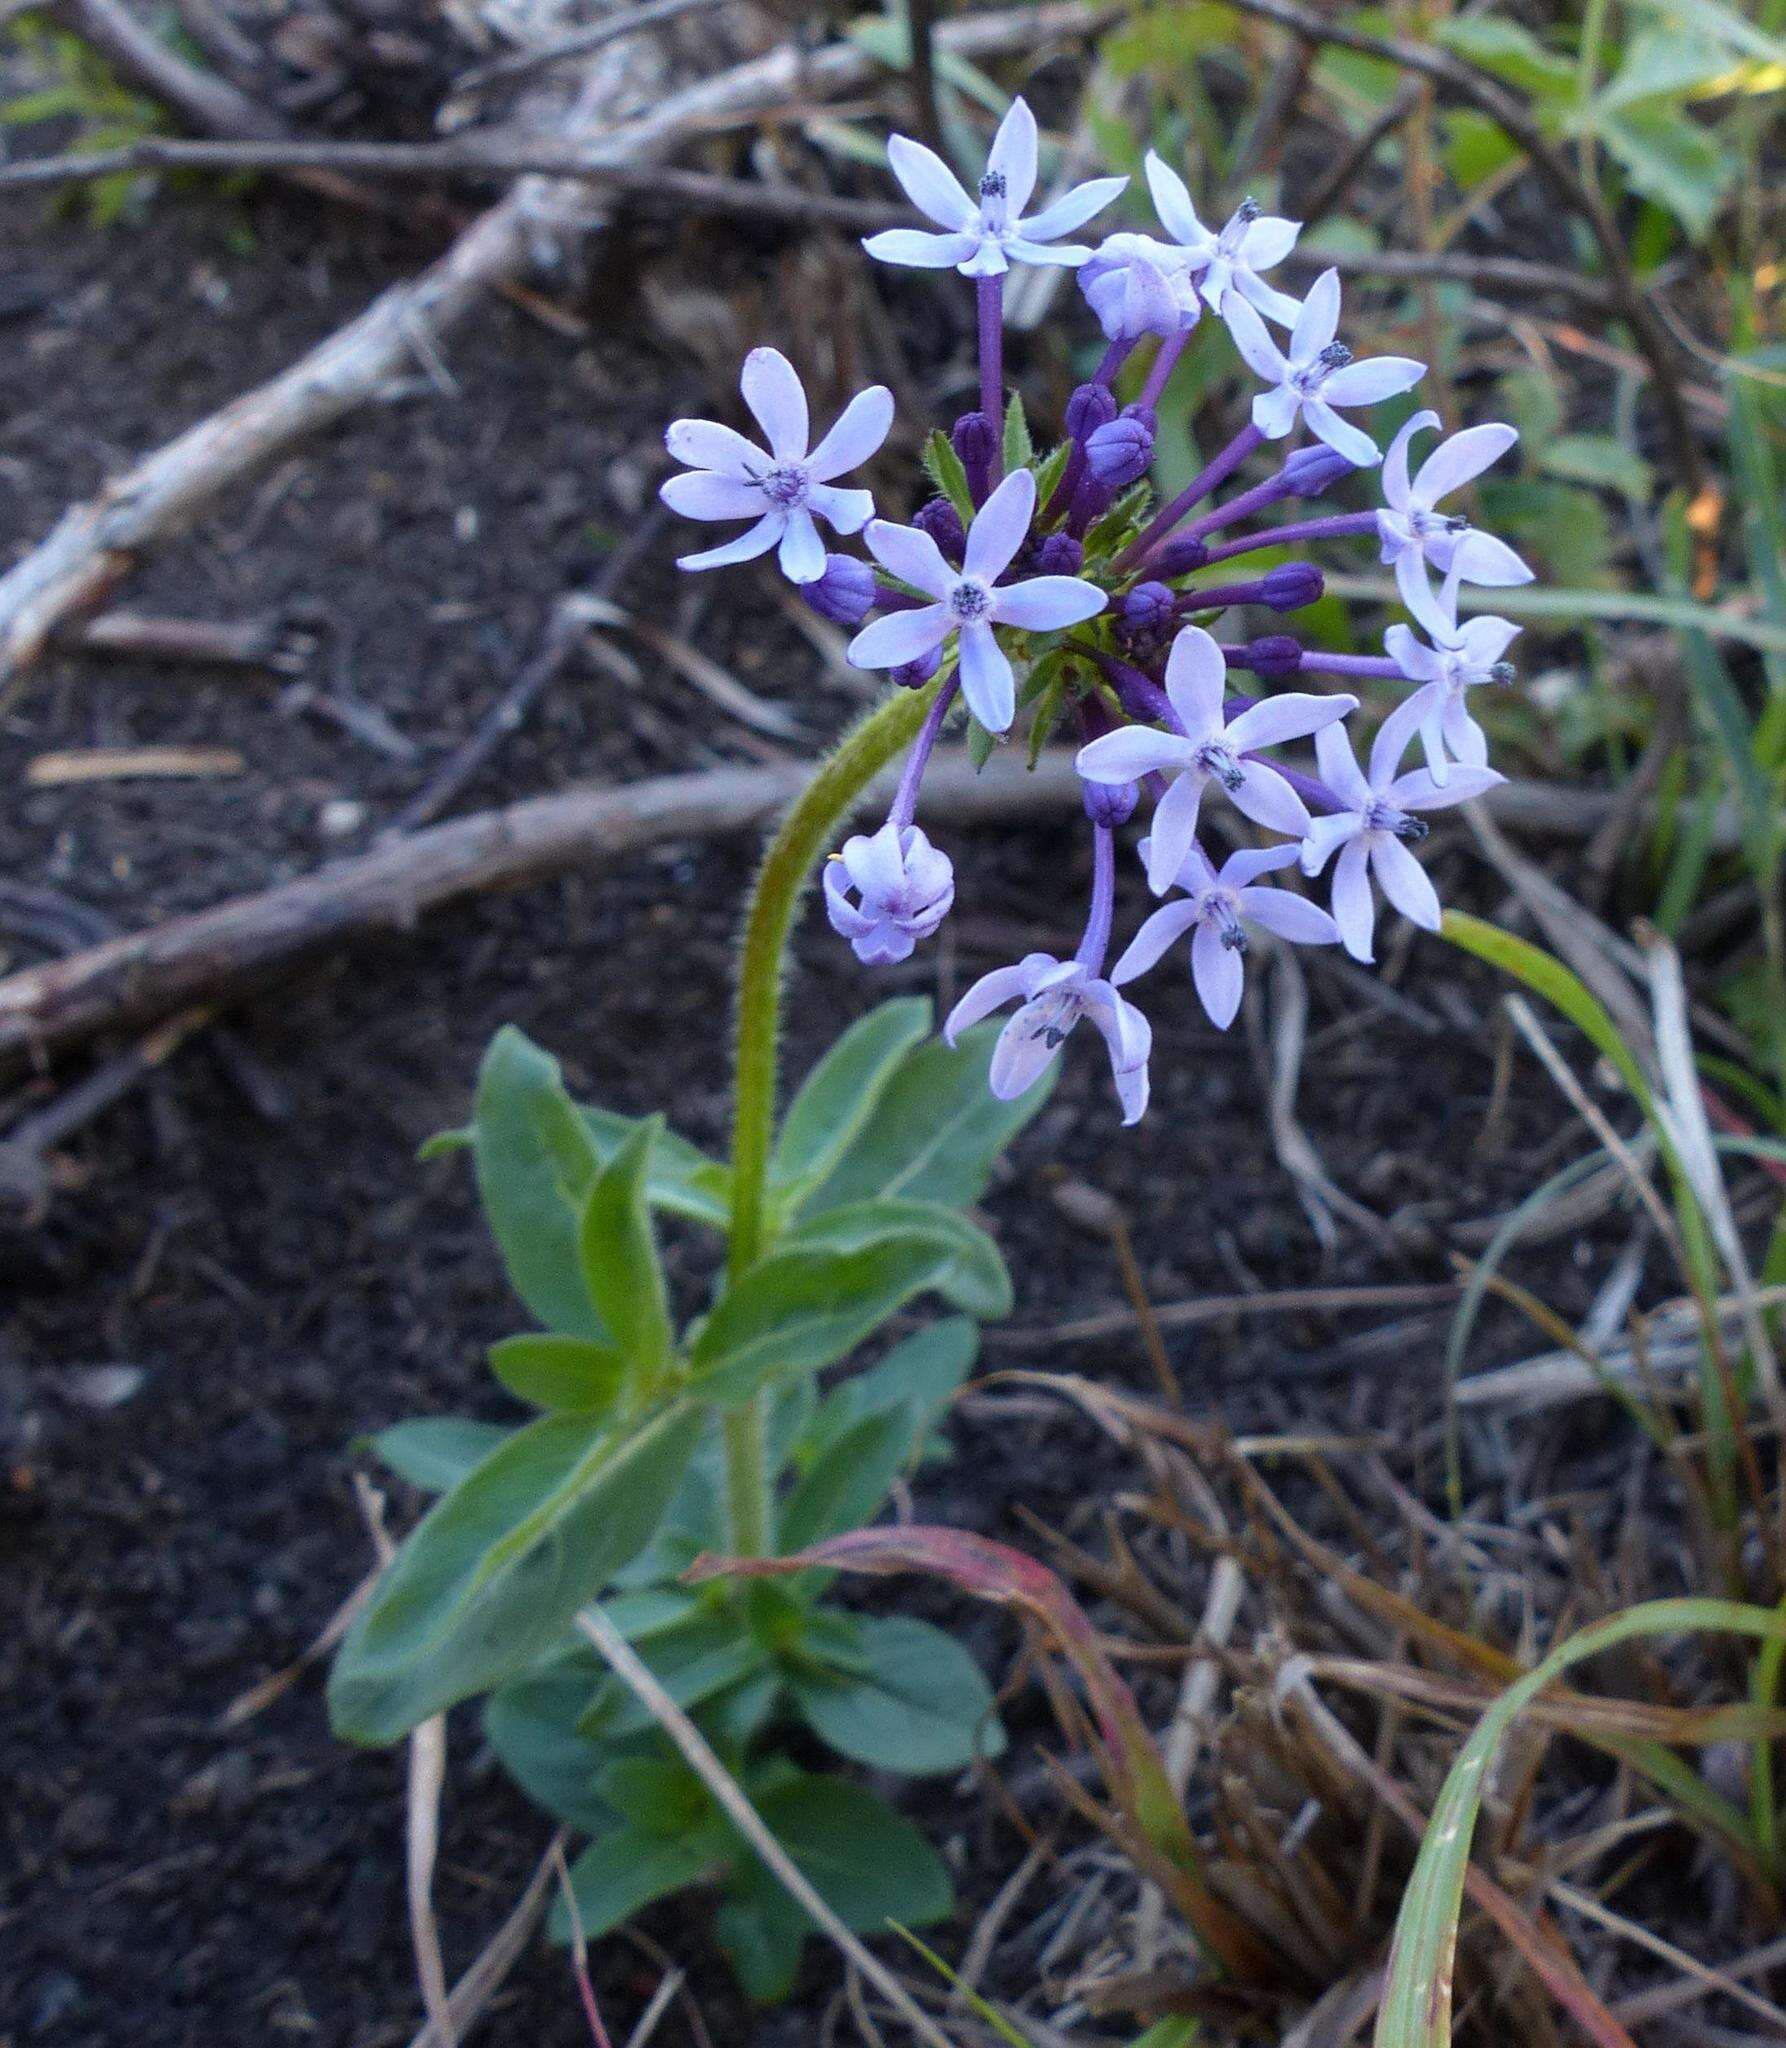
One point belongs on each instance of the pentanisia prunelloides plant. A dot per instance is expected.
(1033, 586)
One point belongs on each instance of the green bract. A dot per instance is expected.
(620, 1480)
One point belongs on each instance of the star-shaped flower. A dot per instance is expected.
(1216, 911)
(903, 887)
(1317, 373)
(1054, 995)
(1372, 834)
(1209, 747)
(983, 237)
(1230, 261)
(1417, 539)
(971, 600)
(1460, 660)
(731, 478)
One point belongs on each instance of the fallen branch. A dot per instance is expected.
(214, 955)
(95, 543)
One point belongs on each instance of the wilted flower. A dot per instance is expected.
(1216, 910)
(1231, 261)
(971, 601)
(1373, 832)
(903, 887)
(732, 478)
(1317, 374)
(984, 237)
(1459, 661)
(1138, 285)
(1417, 538)
(1055, 994)
(1209, 747)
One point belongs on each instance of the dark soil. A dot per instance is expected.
(251, 1231)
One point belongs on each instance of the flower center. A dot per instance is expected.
(1218, 760)
(1218, 908)
(1053, 1016)
(969, 600)
(1383, 816)
(786, 485)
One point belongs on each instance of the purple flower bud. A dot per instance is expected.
(845, 593)
(1110, 803)
(942, 522)
(1120, 450)
(1179, 556)
(1148, 608)
(1274, 654)
(1089, 408)
(1314, 469)
(1059, 554)
(913, 675)
(975, 439)
(1291, 585)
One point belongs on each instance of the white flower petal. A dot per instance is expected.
(1013, 157)
(1391, 742)
(1404, 881)
(1264, 796)
(1131, 752)
(705, 444)
(1290, 715)
(1275, 305)
(900, 637)
(1218, 974)
(1411, 655)
(1417, 791)
(1246, 864)
(1340, 435)
(1482, 641)
(931, 186)
(1196, 680)
(1396, 487)
(859, 431)
(777, 401)
(1371, 381)
(986, 679)
(1275, 411)
(1043, 604)
(1324, 836)
(1071, 210)
(699, 494)
(1174, 827)
(1290, 916)
(1257, 349)
(1268, 240)
(757, 541)
(847, 511)
(1158, 934)
(802, 552)
(1354, 908)
(1026, 1047)
(1433, 607)
(1480, 558)
(1058, 255)
(1318, 321)
(917, 250)
(1000, 527)
(991, 992)
(911, 555)
(1460, 460)
(1172, 202)
(1339, 767)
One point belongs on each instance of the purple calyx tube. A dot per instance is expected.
(1211, 477)
(1096, 942)
(1316, 663)
(1336, 527)
(905, 798)
(989, 301)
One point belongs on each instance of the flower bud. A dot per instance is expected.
(1110, 803)
(1059, 554)
(942, 522)
(845, 593)
(1291, 585)
(913, 675)
(1090, 407)
(975, 439)
(1148, 608)
(1274, 654)
(1178, 556)
(1315, 469)
(1120, 450)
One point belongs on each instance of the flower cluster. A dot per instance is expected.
(1049, 584)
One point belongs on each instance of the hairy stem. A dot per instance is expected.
(787, 866)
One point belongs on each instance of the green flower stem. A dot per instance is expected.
(803, 836)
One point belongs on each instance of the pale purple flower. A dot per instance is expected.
(1210, 747)
(903, 888)
(984, 236)
(1418, 539)
(731, 478)
(1372, 834)
(1317, 373)
(1461, 659)
(1139, 285)
(970, 601)
(1054, 995)
(1216, 911)
(1229, 261)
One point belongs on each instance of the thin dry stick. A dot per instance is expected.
(201, 97)
(1667, 1998)
(1215, 1308)
(582, 42)
(1711, 1982)
(95, 543)
(483, 1980)
(592, 2012)
(632, 1672)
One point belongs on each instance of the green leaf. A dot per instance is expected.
(1510, 52)
(497, 1569)
(918, 1705)
(437, 1451)
(1597, 459)
(799, 1311)
(916, 1378)
(944, 468)
(838, 1096)
(846, 1483)
(625, 1868)
(1050, 471)
(692, 1659)
(567, 1374)
(762, 1932)
(620, 1263)
(936, 1130)
(1019, 449)
(681, 1178)
(1670, 158)
(975, 1279)
(535, 1161)
(531, 1724)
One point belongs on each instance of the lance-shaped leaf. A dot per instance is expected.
(621, 1268)
(908, 1698)
(798, 1311)
(974, 1278)
(570, 1375)
(839, 1096)
(496, 1570)
(1130, 1759)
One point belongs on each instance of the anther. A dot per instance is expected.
(1335, 356)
